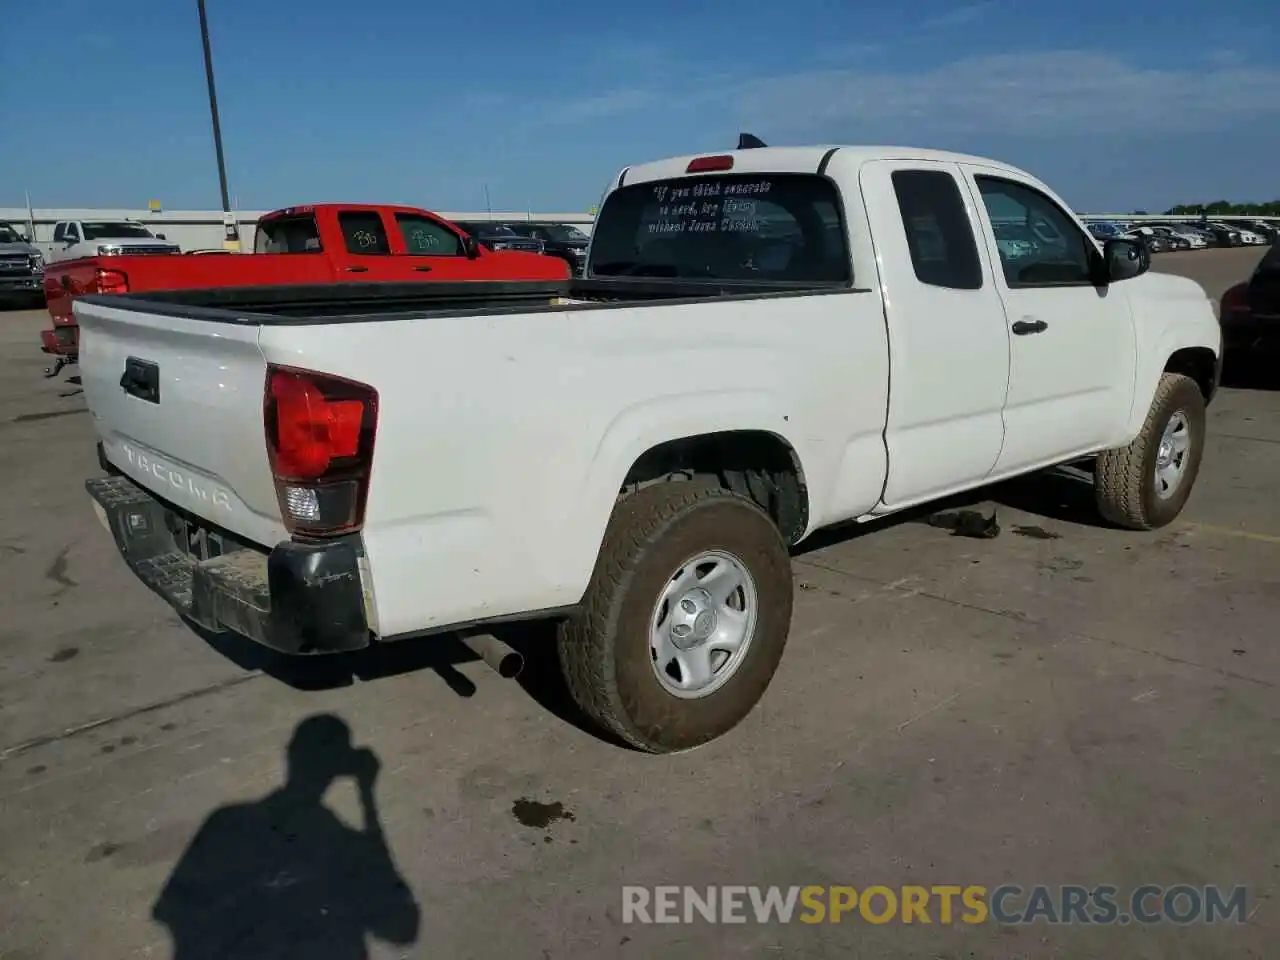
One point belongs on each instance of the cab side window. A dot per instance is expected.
(1040, 245)
(363, 232)
(944, 252)
(60, 233)
(424, 237)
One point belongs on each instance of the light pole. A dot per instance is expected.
(232, 240)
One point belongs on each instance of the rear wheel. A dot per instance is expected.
(1146, 484)
(685, 619)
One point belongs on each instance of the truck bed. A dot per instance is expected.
(361, 302)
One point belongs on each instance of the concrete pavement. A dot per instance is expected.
(1062, 704)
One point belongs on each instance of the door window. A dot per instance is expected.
(59, 233)
(363, 233)
(939, 235)
(424, 237)
(1040, 245)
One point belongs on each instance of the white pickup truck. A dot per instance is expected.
(73, 239)
(765, 342)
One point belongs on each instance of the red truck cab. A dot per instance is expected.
(318, 243)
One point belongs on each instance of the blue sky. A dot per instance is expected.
(1121, 104)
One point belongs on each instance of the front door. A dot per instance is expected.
(1071, 344)
(948, 339)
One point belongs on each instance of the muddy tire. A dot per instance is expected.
(1146, 484)
(685, 568)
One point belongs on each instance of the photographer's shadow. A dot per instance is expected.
(284, 876)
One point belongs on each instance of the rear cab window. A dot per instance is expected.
(940, 238)
(296, 233)
(364, 233)
(781, 227)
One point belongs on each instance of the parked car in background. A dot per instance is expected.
(561, 240)
(73, 239)
(1193, 239)
(1223, 235)
(1250, 311)
(1155, 242)
(498, 236)
(1102, 231)
(316, 244)
(21, 268)
(737, 370)
(1249, 238)
(1176, 240)
(1269, 229)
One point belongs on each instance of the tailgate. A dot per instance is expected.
(177, 405)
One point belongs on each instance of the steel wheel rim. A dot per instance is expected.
(1172, 455)
(703, 624)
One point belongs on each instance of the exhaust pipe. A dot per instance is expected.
(500, 657)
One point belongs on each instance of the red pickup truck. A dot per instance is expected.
(320, 243)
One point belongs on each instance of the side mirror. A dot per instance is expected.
(1125, 259)
(470, 246)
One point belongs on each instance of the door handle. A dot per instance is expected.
(1023, 327)
(141, 378)
(422, 269)
(356, 269)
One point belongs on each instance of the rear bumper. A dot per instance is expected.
(62, 341)
(300, 598)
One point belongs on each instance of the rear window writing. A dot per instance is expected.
(781, 227)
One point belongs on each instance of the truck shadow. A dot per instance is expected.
(441, 654)
(1063, 494)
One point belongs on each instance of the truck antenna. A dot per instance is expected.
(749, 141)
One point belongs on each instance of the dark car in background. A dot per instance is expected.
(1250, 311)
(1155, 242)
(1175, 240)
(561, 240)
(498, 236)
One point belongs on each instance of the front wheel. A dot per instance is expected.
(685, 619)
(1145, 485)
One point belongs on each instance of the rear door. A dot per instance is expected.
(177, 405)
(365, 252)
(949, 346)
(1071, 343)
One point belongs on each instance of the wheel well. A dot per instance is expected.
(1198, 363)
(754, 463)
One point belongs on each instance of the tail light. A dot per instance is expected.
(1235, 300)
(109, 281)
(709, 164)
(320, 431)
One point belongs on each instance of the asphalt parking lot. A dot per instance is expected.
(1063, 704)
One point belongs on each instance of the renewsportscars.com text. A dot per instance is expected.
(1008, 904)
